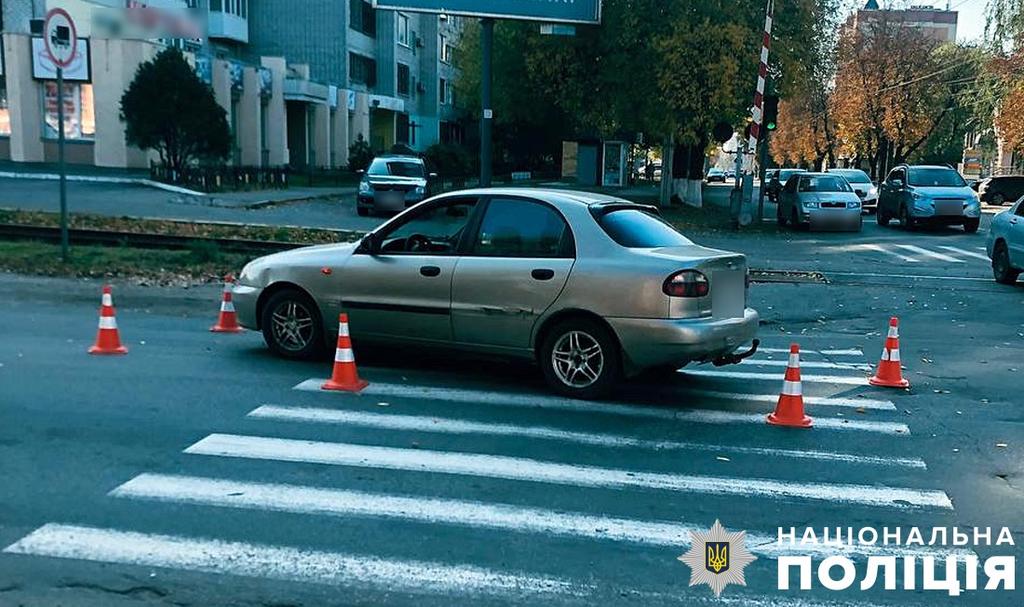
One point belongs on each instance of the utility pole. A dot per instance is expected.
(486, 118)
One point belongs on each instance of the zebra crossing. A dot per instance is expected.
(966, 255)
(469, 495)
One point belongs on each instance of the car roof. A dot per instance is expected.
(547, 194)
(398, 157)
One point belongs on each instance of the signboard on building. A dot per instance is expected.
(43, 67)
(266, 82)
(204, 69)
(332, 96)
(237, 72)
(351, 101)
(560, 11)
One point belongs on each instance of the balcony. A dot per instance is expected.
(226, 26)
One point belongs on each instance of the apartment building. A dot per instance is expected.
(935, 23)
(298, 86)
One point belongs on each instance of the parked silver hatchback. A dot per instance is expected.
(591, 287)
(819, 201)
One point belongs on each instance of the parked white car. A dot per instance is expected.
(1006, 243)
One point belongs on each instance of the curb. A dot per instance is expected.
(101, 179)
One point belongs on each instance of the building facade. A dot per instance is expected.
(298, 86)
(934, 23)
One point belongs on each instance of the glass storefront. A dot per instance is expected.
(5, 109)
(79, 111)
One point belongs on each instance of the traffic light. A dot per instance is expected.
(771, 112)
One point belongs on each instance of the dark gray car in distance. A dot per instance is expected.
(392, 183)
(589, 286)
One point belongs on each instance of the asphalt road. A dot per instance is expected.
(192, 472)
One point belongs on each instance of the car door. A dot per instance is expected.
(892, 190)
(514, 268)
(397, 285)
(787, 197)
(1015, 236)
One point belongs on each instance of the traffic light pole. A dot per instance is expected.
(486, 116)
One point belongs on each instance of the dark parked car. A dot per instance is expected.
(1001, 189)
(716, 174)
(392, 183)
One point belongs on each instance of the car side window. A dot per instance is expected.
(521, 228)
(1020, 207)
(435, 230)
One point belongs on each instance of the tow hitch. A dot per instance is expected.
(732, 359)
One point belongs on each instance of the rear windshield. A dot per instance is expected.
(401, 168)
(942, 178)
(854, 176)
(637, 229)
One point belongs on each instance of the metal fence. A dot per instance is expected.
(222, 178)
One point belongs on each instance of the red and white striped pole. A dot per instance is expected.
(762, 73)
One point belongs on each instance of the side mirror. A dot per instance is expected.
(360, 171)
(370, 244)
(432, 175)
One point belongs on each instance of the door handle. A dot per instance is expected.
(430, 271)
(543, 274)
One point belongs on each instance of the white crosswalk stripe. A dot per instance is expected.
(525, 469)
(929, 253)
(917, 253)
(959, 251)
(564, 447)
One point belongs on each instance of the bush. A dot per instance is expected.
(359, 154)
(449, 160)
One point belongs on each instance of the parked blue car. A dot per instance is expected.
(1006, 243)
(936, 195)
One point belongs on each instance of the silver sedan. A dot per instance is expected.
(819, 200)
(1006, 243)
(591, 287)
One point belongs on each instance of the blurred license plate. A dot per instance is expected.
(948, 207)
(728, 293)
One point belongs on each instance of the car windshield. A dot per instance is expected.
(715, 172)
(399, 168)
(823, 183)
(854, 176)
(784, 175)
(638, 229)
(936, 178)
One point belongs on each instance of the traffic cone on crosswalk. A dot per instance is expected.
(227, 322)
(890, 373)
(790, 409)
(344, 377)
(108, 341)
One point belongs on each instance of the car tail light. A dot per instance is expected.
(686, 283)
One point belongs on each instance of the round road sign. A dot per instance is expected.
(60, 37)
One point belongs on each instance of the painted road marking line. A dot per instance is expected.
(841, 352)
(964, 252)
(525, 469)
(824, 401)
(854, 380)
(281, 563)
(809, 364)
(456, 426)
(316, 501)
(538, 401)
(929, 253)
(880, 249)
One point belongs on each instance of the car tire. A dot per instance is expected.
(292, 326)
(570, 340)
(1001, 268)
(906, 221)
(882, 218)
(362, 211)
(971, 225)
(860, 224)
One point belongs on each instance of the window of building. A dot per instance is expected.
(404, 86)
(402, 29)
(5, 109)
(362, 70)
(79, 111)
(445, 49)
(444, 91)
(362, 18)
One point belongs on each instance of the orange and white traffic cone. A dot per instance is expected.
(344, 377)
(108, 341)
(890, 373)
(227, 322)
(790, 409)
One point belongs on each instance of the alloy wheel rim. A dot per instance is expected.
(292, 324)
(577, 359)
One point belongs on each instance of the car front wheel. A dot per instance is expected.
(906, 220)
(1001, 268)
(580, 358)
(291, 325)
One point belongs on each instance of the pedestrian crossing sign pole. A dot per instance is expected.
(60, 40)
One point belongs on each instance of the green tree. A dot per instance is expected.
(360, 154)
(167, 108)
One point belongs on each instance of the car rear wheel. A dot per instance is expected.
(580, 358)
(1001, 268)
(971, 225)
(291, 325)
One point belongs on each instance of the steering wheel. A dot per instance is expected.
(417, 243)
